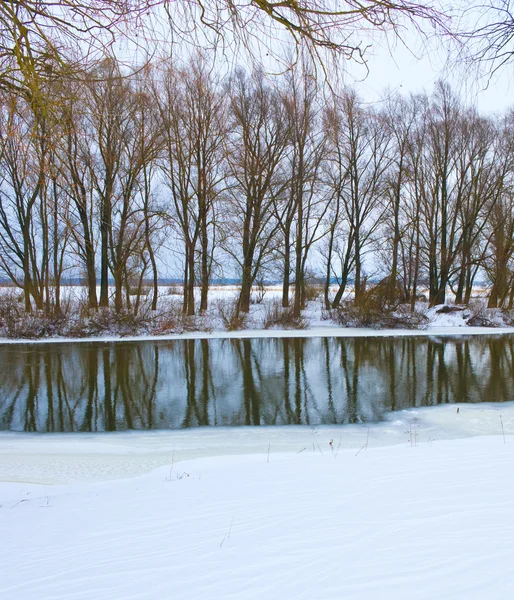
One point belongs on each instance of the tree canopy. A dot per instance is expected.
(37, 37)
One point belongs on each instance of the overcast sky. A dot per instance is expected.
(410, 73)
(412, 66)
(416, 65)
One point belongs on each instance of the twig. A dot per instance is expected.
(365, 447)
(269, 447)
(503, 430)
(172, 463)
(316, 440)
(338, 447)
(227, 535)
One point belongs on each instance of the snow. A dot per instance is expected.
(409, 521)
(317, 320)
(325, 331)
(417, 507)
(64, 457)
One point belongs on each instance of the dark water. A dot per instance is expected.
(189, 383)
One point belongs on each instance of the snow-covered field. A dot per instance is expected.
(400, 510)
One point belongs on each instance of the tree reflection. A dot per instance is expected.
(190, 383)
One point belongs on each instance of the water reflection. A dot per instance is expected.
(191, 383)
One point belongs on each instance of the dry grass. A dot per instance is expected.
(282, 318)
(313, 291)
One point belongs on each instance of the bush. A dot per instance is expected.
(134, 290)
(172, 322)
(175, 290)
(232, 319)
(480, 315)
(378, 297)
(10, 307)
(34, 325)
(313, 291)
(16, 323)
(507, 315)
(260, 292)
(405, 318)
(107, 321)
(278, 316)
(349, 315)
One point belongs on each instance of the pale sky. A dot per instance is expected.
(406, 73)
(416, 65)
(412, 66)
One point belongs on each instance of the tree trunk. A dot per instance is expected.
(246, 289)
(287, 268)
(104, 258)
(204, 278)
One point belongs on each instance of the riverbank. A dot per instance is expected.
(419, 520)
(266, 318)
(315, 332)
(63, 458)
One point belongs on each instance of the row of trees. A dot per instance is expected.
(119, 177)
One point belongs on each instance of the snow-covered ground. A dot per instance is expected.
(419, 506)
(326, 331)
(65, 457)
(318, 322)
(400, 510)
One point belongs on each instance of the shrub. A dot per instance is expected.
(313, 290)
(9, 307)
(480, 315)
(33, 325)
(232, 319)
(507, 315)
(405, 318)
(378, 297)
(107, 321)
(258, 297)
(277, 316)
(349, 315)
(175, 290)
(134, 290)
(174, 321)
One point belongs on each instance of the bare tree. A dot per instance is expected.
(76, 159)
(257, 144)
(304, 202)
(24, 155)
(316, 26)
(400, 118)
(193, 119)
(499, 228)
(363, 148)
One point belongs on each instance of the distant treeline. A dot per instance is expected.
(113, 174)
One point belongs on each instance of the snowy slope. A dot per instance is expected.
(416, 522)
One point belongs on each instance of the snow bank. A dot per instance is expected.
(319, 323)
(62, 458)
(418, 522)
(325, 331)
